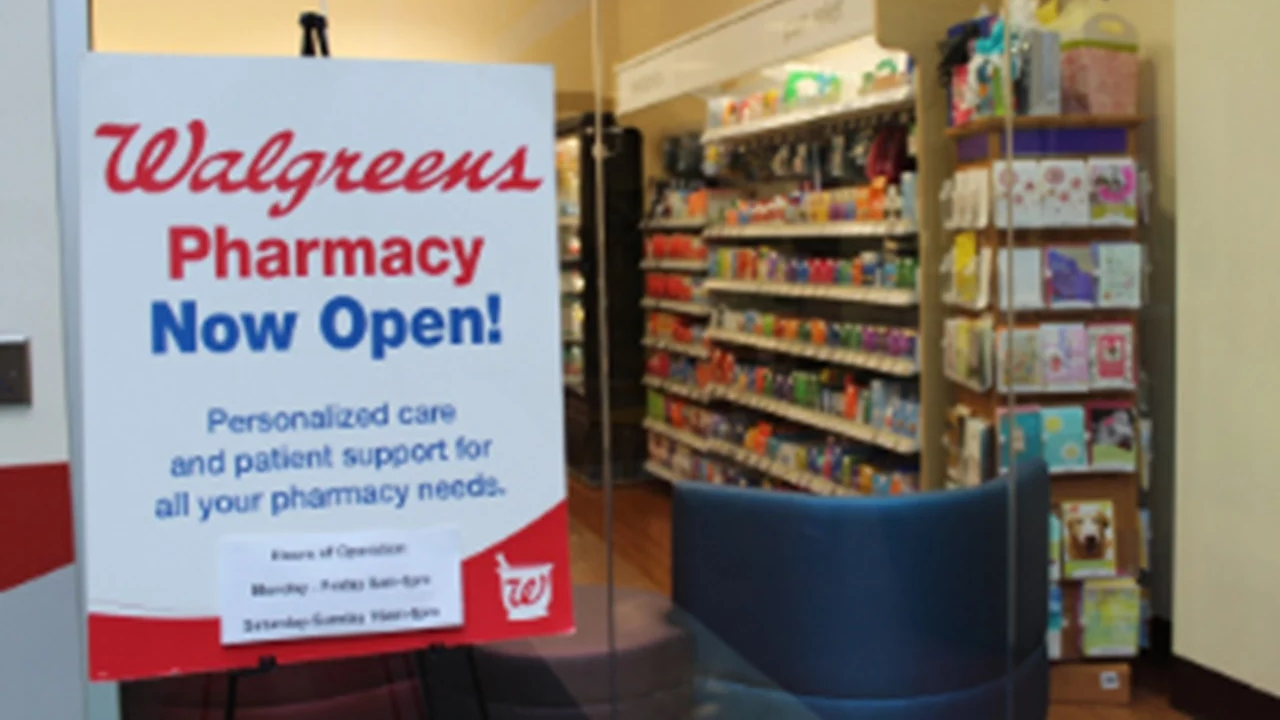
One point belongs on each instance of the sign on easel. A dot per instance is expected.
(321, 360)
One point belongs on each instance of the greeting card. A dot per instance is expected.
(1119, 267)
(1070, 273)
(1110, 616)
(1113, 192)
(1027, 270)
(1064, 352)
(1018, 362)
(975, 460)
(1111, 361)
(1065, 448)
(1017, 186)
(1113, 437)
(1065, 187)
(965, 270)
(1088, 539)
(1021, 435)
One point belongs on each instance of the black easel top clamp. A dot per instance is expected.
(315, 34)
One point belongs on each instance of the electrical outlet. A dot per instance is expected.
(15, 370)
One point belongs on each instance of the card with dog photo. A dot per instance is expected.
(1113, 441)
(1088, 539)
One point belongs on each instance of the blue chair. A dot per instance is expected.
(866, 608)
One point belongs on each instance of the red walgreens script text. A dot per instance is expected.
(302, 172)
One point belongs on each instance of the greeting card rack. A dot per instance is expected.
(581, 324)
(1049, 327)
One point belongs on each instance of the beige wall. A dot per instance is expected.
(1227, 579)
(556, 32)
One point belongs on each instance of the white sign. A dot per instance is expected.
(764, 34)
(318, 296)
(290, 587)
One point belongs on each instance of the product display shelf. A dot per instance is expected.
(690, 224)
(870, 104)
(795, 477)
(891, 297)
(1100, 419)
(682, 389)
(882, 363)
(677, 306)
(688, 349)
(687, 266)
(827, 422)
(674, 265)
(833, 229)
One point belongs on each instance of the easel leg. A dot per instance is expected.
(420, 659)
(229, 709)
(476, 686)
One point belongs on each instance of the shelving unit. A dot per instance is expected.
(730, 415)
(1097, 414)
(580, 323)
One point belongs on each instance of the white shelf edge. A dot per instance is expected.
(688, 349)
(676, 306)
(888, 100)
(840, 356)
(670, 265)
(690, 224)
(684, 390)
(822, 421)
(835, 229)
(888, 297)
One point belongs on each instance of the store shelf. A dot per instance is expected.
(684, 437)
(570, 221)
(891, 100)
(696, 351)
(674, 224)
(670, 265)
(662, 472)
(892, 297)
(576, 383)
(838, 229)
(571, 339)
(684, 390)
(812, 482)
(1050, 122)
(567, 259)
(676, 306)
(900, 367)
(822, 421)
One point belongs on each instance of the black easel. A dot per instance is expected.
(266, 663)
(315, 34)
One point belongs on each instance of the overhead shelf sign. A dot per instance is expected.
(764, 34)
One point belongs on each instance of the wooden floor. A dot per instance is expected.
(642, 536)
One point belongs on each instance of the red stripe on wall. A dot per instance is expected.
(36, 536)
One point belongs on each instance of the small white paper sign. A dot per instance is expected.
(299, 586)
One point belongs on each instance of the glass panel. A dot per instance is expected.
(865, 327)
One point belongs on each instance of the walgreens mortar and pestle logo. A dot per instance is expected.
(526, 590)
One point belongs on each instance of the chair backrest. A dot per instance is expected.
(865, 597)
